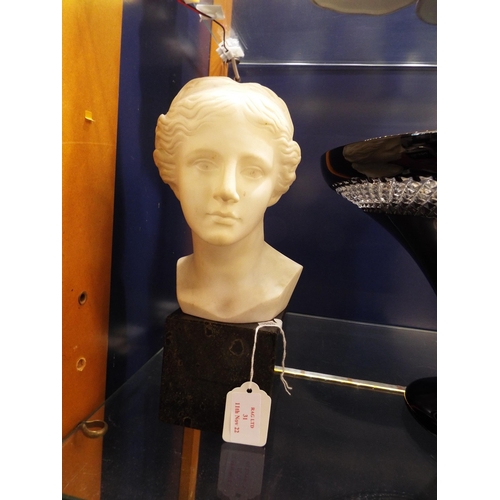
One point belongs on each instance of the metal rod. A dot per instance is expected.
(235, 70)
(341, 65)
(335, 379)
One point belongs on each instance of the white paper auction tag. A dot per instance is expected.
(246, 419)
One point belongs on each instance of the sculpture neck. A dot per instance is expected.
(232, 260)
(245, 282)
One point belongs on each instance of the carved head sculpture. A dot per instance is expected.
(227, 151)
(203, 99)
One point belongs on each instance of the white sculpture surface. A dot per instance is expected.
(226, 150)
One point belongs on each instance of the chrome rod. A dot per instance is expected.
(340, 65)
(335, 379)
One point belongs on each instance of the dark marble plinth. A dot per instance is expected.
(203, 360)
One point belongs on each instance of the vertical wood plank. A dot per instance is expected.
(91, 59)
(82, 464)
(189, 463)
(217, 67)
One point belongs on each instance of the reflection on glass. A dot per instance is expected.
(241, 469)
(426, 9)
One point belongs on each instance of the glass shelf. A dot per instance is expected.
(326, 441)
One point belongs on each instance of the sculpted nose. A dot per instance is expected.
(227, 186)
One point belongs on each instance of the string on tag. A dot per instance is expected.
(278, 324)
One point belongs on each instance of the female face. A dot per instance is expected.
(226, 178)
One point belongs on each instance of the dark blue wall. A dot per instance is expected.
(353, 269)
(163, 47)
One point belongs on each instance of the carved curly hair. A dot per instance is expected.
(207, 96)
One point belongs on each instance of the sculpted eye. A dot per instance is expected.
(253, 172)
(205, 165)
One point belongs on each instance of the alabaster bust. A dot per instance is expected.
(226, 150)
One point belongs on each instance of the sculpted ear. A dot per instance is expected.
(166, 169)
(288, 178)
(274, 199)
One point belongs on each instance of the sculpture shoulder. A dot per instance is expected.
(184, 271)
(281, 269)
(258, 296)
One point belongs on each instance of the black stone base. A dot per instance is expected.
(203, 360)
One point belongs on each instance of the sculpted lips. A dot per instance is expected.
(224, 217)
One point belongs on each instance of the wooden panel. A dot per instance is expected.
(91, 58)
(82, 464)
(217, 67)
(189, 464)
